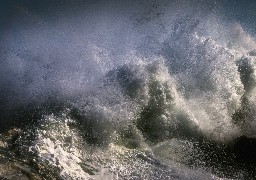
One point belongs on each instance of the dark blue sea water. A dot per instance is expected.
(127, 89)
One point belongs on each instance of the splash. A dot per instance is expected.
(143, 90)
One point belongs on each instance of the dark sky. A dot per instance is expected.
(234, 10)
(242, 11)
(51, 29)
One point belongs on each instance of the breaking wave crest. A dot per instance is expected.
(164, 92)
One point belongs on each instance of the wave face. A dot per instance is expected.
(127, 90)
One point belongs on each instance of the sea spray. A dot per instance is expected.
(127, 90)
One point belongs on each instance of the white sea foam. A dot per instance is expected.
(134, 82)
(57, 145)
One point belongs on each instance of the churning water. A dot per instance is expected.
(127, 90)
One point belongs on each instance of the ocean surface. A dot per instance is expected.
(127, 90)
